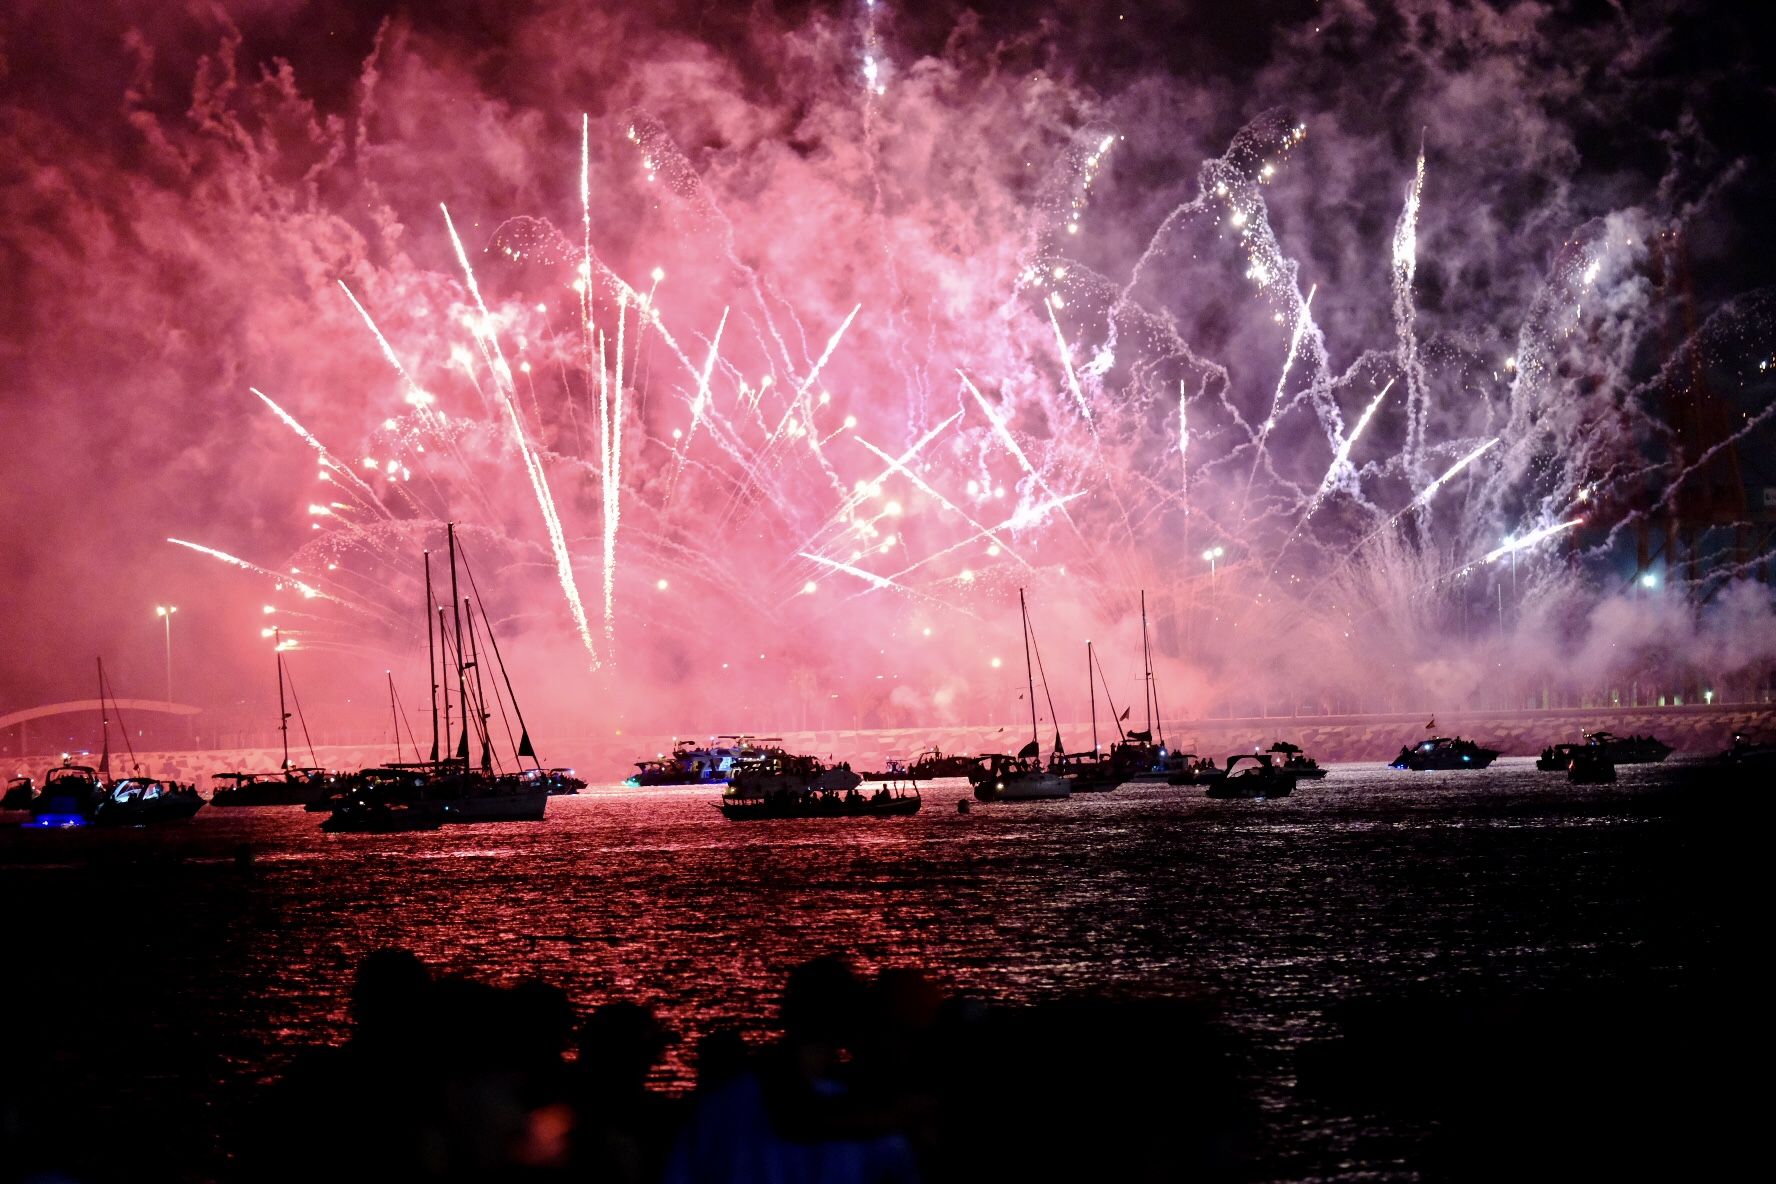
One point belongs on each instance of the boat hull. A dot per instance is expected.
(784, 806)
(1028, 787)
(268, 794)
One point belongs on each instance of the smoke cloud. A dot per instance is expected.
(868, 319)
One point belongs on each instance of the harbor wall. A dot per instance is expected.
(1693, 730)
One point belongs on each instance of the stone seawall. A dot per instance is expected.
(1691, 730)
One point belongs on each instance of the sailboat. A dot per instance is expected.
(415, 796)
(289, 786)
(1094, 771)
(1138, 757)
(1000, 778)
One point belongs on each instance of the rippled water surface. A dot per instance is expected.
(185, 971)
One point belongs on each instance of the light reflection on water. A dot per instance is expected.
(1368, 881)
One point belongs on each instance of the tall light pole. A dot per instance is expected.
(165, 613)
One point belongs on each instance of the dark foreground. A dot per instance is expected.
(1385, 976)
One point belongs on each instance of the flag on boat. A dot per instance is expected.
(1125, 714)
(1432, 725)
(1059, 751)
(524, 748)
(1029, 750)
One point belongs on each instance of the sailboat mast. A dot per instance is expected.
(480, 692)
(1146, 666)
(431, 658)
(104, 724)
(443, 669)
(1092, 686)
(462, 686)
(277, 649)
(394, 715)
(1029, 678)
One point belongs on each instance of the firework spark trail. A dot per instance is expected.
(539, 483)
(925, 487)
(1067, 365)
(794, 405)
(1302, 320)
(327, 458)
(1405, 317)
(421, 400)
(1530, 539)
(1342, 459)
(698, 402)
(1023, 516)
(856, 497)
(309, 591)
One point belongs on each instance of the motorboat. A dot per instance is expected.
(19, 792)
(291, 787)
(1590, 765)
(1195, 770)
(70, 795)
(1557, 758)
(1253, 775)
(563, 782)
(1442, 753)
(1001, 778)
(1086, 772)
(894, 770)
(1748, 756)
(139, 801)
(934, 762)
(1629, 750)
(1297, 762)
(743, 803)
(366, 816)
(784, 772)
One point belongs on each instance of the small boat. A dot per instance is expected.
(139, 801)
(743, 804)
(19, 792)
(1557, 758)
(1094, 771)
(1086, 772)
(1444, 753)
(1629, 750)
(1001, 778)
(934, 762)
(1590, 765)
(1297, 762)
(1138, 756)
(79, 795)
(69, 797)
(1750, 757)
(290, 786)
(784, 772)
(1252, 775)
(694, 764)
(997, 777)
(1196, 770)
(358, 815)
(896, 771)
(563, 782)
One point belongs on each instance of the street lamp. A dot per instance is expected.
(1212, 554)
(165, 613)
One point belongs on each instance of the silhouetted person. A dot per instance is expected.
(721, 1056)
(623, 1128)
(791, 1116)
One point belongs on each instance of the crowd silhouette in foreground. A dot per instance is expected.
(882, 1080)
